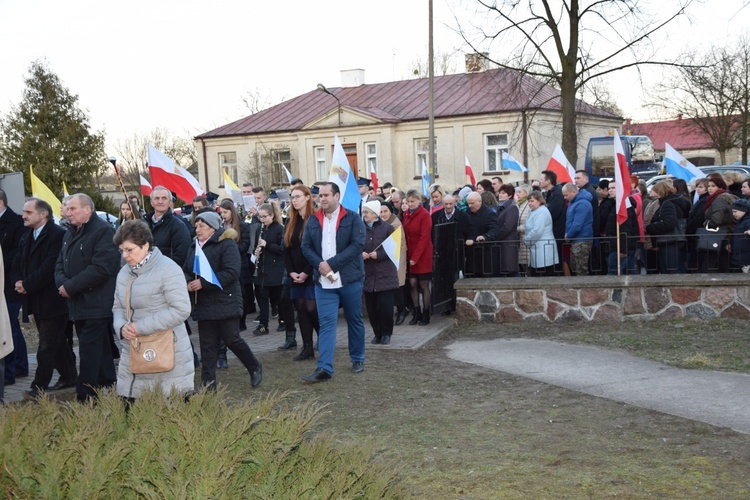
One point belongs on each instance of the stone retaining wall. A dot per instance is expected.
(603, 298)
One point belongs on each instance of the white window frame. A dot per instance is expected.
(495, 151)
(321, 166)
(371, 158)
(421, 147)
(277, 172)
(226, 163)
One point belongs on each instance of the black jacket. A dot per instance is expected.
(34, 265)
(171, 236)
(605, 207)
(460, 218)
(671, 208)
(696, 218)
(11, 231)
(269, 268)
(557, 209)
(483, 222)
(629, 235)
(87, 266)
(212, 302)
(294, 259)
(381, 273)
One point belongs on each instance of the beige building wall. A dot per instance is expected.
(457, 138)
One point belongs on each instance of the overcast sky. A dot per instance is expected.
(185, 64)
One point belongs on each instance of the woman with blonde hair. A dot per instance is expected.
(522, 202)
(436, 198)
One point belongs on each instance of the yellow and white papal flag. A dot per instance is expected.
(392, 246)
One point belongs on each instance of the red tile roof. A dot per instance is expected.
(488, 92)
(681, 134)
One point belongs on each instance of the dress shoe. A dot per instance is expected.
(257, 376)
(400, 317)
(306, 353)
(61, 384)
(358, 367)
(376, 340)
(32, 393)
(319, 375)
(385, 339)
(415, 317)
(290, 342)
(222, 364)
(425, 319)
(260, 330)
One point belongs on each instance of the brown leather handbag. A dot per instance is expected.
(152, 353)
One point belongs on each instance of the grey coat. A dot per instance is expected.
(159, 300)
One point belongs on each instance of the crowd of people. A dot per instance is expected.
(302, 260)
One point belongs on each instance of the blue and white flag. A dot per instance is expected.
(341, 174)
(288, 174)
(425, 180)
(510, 163)
(678, 166)
(202, 268)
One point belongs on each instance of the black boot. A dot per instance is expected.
(416, 316)
(400, 316)
(306, 353)
(425, 320)
(291, 341)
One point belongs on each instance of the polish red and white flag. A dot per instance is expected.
(622, 178)
(145, 187)
(374, 178)
(560, 165)
(164, 172)
(470, 172)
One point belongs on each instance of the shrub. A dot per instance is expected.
(168, 448)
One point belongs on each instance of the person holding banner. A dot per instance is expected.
(212, 271)
(381, 275)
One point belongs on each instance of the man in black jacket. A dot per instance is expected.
(484, 228)
(85, 274)
(460, 229)
(34, 279)
(553, 195)
(11, 231)
(171, 236)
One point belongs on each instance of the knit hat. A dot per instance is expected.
(742, 205)
(464, 192)
(389, 206)
(374, 206)
(210, 218)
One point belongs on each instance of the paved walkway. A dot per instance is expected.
(404, 337)
(716, 398)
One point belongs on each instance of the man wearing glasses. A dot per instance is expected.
(85, 274)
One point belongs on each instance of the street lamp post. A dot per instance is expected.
(323, 88)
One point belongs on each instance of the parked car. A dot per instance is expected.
(107, 217)
(720, 169)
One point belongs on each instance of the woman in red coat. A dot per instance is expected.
(417, 230)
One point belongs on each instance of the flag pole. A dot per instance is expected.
(618, 245)
(113, 161)
(196, 291)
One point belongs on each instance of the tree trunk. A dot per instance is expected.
(569, 132)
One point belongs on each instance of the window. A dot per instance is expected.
(421, 147)
(321, 171)
(371, 157)
(228, 163)
(494, 146)
(282, 158)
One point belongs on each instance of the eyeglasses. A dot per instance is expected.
(263, 216)
(128, 251)
(298, 197)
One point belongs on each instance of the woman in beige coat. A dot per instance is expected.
(6, 340)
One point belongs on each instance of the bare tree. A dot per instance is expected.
(132, 153)
(257, 100)
(445, 64)
(712, 96)
(570, 43)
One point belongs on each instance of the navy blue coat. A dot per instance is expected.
(350, 243)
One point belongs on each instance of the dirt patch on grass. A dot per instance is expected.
(461, 431)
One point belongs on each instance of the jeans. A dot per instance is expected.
(17, 362)
(327, 300)
(627, 264)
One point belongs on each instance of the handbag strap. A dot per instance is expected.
(128, 311)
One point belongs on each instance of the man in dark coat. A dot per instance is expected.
(553, 195)
(34, 279)
(483, 228)
(85, 274)
(171, 236)
(11, 231)
(460, 229)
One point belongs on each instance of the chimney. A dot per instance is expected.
(476, 62)
(628, 122)
(352, 77)
(679, 116)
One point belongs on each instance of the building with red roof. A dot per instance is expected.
(384, 126)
